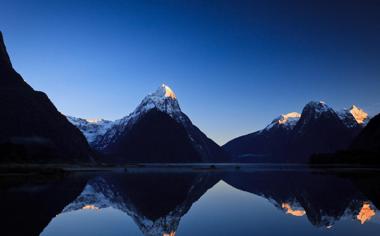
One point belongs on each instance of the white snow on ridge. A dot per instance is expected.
(359, 115)
(286, 120)
(91, 128)
(353, 116)
(163, 99)
(100, 133)
(319, 108)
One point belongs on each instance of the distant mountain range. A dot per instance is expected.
(295, 137)
(156, 131)
(31, 128)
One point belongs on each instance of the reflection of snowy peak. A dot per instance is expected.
(100, 193)
(353, 117)
(97, 194)
(91, 128)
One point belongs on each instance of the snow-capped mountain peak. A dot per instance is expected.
(353, 116)
(359, 115)
(314, 110)
(319, 107)
(165, 91)
(163, 99)
(287, 121)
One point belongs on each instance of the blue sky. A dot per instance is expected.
(234, 65)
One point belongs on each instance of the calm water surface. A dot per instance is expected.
(193, 203)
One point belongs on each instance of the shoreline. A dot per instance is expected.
(14, 169)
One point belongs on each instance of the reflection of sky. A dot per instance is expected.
(229, 63)
(222, 210)
(106, 221)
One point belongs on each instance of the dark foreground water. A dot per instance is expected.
(244, 202)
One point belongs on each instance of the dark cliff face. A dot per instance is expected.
(31, 128)
(319, 132)
(158, 138)
(4, 57)
(369, 139)
(154, 138)
(260, 146)
(209, 150)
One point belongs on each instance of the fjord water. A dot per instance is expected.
(243, 202)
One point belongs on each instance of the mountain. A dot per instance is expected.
(364, 150)
(294, 137)
(369, 139)
(156, 131)
(264, 144)
(31, 128)
(319, 130)
(91, 128)
(354, 117)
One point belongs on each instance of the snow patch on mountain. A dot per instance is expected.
(315, 109)
(353, 116)
(163, 99)
(319, 108)
(91, 128)
(287, 121)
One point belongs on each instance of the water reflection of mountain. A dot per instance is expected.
(323, 198)
(27, 205)
(156, 202)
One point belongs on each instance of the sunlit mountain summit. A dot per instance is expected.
(294, 137)
(156, 131)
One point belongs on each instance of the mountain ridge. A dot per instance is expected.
(32, 129)
(318, 129)
(158, 108)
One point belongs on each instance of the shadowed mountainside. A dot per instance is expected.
(31, 128)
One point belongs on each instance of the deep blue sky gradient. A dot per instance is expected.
(234, 65)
